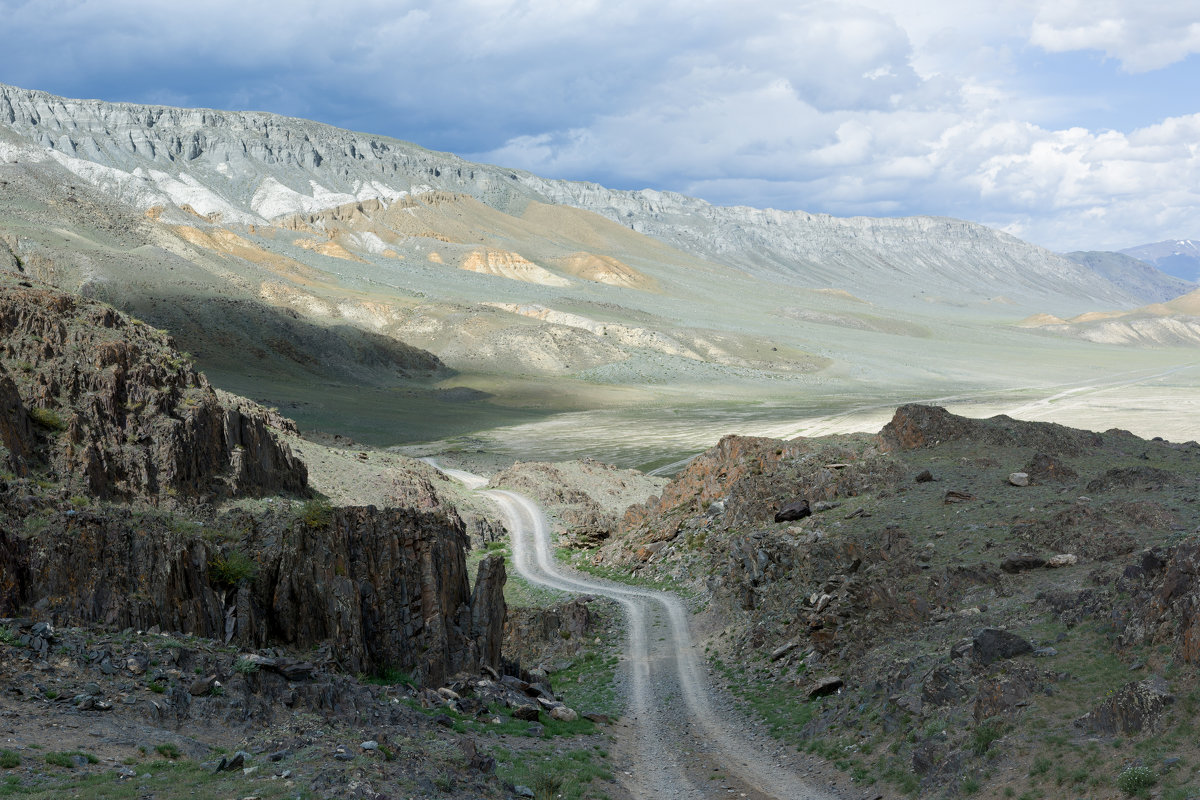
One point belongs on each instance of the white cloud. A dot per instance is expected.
(869, 106)
(1142, 36)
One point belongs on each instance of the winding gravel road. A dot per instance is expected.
(682, 746)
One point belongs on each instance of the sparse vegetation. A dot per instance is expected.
(1136, 780)
(9, 759)
(48, 418)
(167, 750)
(316, 513)
(232, 568)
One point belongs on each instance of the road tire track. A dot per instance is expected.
(682, 746)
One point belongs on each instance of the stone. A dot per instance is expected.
(995, 644)
(825, 686)
(523, 791)
(784, 649)
(526, 712)
(1062, 560)
(202, 686)
(370, 744)
(564, 714)
(1018, 479)
(597, 717)
(952, 496)
(796, 509)
(1133, 708)
(1020, 562)
(1045, 652)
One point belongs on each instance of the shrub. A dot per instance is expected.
(167, 750)
(9, 759)
(1135, 779)
(48, 418)
(546, 786)
(983, 737)
(245, 666)
(316, 513)
(232, 568)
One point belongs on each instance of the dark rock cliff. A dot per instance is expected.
(119, 413)
(384, 589)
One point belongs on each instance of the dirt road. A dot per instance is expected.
(681, 740)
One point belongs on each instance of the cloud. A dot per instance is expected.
(865, 107)
(1142, 36)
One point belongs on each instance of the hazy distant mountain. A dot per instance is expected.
(1134, 275)
(1178, 257)
(317, 269)
(251, 168)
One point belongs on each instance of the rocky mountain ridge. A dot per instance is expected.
(252, 168)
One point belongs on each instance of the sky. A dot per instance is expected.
(1074, 125)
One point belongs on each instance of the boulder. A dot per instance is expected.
(1020, 562)
(995, 644)
(1134, 707)
(824, 687)
(1062, 560)
(1018, 478)
(796, 509)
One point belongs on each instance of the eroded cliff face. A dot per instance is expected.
(119, 413)
(382, 589)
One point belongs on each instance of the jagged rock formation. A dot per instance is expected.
(385, 589)
(122, 414)
(16, 431)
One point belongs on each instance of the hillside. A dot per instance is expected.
(951, 607)
(1135, 276)
(366, 285)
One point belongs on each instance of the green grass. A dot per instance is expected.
(156, 779)
(388, 677)
(65, 759)
(9, 759)
(167, 750)
(551, 774)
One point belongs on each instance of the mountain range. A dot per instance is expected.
(365, 282)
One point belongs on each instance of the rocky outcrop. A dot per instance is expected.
(16, 431)
(917, 426)
(382, 589)
(488, 610)
(1133, 708)
(121, 414)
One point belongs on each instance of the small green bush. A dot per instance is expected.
(316, 513)
(983, 737)
(167, 750)
(245, 666)
(48, 418)
(232, 568)
(9, 759)
(1136, 779)
(546, 786)
(970, 785)
(157, 687)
